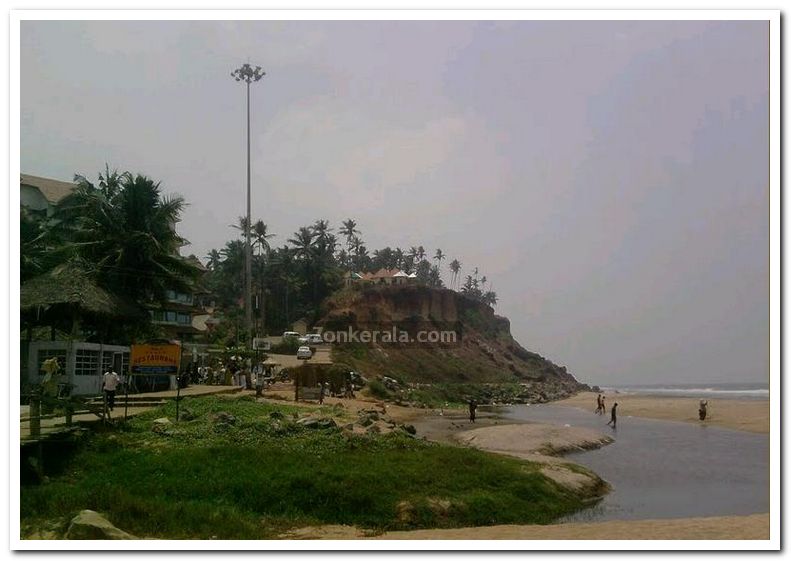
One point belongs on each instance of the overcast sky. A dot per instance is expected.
(610, 178)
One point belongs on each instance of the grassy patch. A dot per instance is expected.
(264, 473)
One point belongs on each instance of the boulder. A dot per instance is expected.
(187, 414)
(410, 429)
(317, 422)
(161, 425)
(224, 417)
(90, 525)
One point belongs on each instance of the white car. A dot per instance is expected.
(287, 334)
(314, 339)
(304, 352)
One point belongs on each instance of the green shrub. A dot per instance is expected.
(377, 389)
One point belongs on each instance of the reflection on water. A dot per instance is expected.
(663, 469)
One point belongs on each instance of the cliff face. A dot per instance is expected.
(483, 353)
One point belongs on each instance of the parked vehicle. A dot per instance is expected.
(287, 334)
(314, 339)
(304, 353)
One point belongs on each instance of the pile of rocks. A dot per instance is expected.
(371, 421)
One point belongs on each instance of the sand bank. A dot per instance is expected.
(741, 414)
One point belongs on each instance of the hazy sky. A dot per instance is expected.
(610, 178)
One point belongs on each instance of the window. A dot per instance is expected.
(86, 363)
(184, 319)
(180, 297)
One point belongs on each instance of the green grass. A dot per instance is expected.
(254, 479)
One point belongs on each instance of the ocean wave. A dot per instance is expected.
(756, 392)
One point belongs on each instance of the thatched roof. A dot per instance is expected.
(70, 286)
(52, 189)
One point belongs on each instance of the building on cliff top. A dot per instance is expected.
(384, 276)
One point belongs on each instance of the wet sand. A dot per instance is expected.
(750, 415)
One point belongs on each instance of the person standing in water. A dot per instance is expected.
(473, 407)
(703, 409)
(613, 417)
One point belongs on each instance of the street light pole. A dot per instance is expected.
(248, 74)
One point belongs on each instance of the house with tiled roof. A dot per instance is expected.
(388, 277)
(42, 193)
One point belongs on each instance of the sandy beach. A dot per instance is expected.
(740, 414)
(753, 527)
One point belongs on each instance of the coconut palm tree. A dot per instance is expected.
(213, 259)
(125, 229)
(304, 243)
(439, 256)
(242, 226)
(455, 267)
(349, 230)
(261, 237)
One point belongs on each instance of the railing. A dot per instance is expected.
(43, 407)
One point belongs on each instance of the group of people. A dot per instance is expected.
(601, 409)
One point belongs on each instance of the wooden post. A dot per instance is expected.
(126, 397)
(35, 417)
(178, 396)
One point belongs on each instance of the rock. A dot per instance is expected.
(440, 507)
(405, 512)
(187, 414)
(317, 422)
(409, 429)
(309, 422)
(161, 425)
(225, 418)
(370, 413)
(374, 429)
(90, 525)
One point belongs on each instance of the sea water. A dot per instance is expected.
(700, 391)
(666, 469)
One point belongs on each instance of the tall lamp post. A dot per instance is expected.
(248, 74)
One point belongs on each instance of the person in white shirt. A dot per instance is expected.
(109, 385)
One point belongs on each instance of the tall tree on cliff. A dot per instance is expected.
(455, 267)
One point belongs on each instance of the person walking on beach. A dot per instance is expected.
(473, 407)
(603, 408)
(703, 409)
(613, 417)
(598, 404)
(110, 383)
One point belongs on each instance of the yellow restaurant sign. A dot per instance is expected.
(155, 359)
